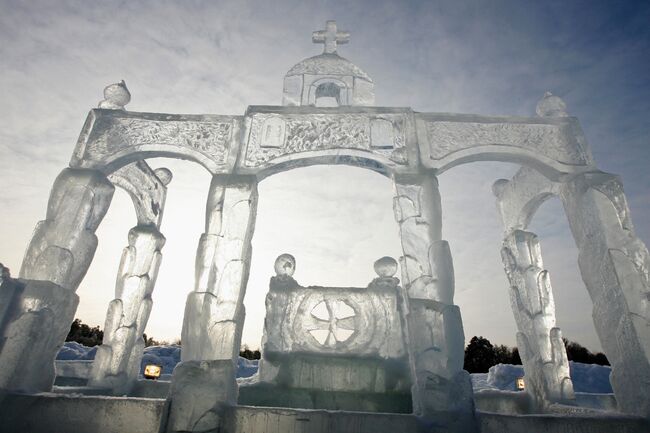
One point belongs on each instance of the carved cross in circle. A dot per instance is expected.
(330, 37)
(331, 322)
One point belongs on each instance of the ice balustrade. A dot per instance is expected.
(325, 342)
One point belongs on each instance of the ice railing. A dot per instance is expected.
(360, 321)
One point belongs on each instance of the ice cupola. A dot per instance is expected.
(328, 80)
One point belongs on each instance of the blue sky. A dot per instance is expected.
(486, 57)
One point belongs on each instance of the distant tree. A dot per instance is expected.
(516, 359)
(502, 354)
(600, 359)
(150, 341)
(578, 353)
(84, 334)
(479, 355)
(245, 352)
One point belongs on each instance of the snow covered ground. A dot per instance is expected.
(588, 378)
(165, 356)
(73, 351)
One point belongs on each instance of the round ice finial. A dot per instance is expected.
(164, 174)
(116, 96)
(551, 106)
(386, 267)
(285, 264)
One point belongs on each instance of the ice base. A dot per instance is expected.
(98, 414)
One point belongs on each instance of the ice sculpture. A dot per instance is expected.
(328, 75)
(409, 338)
(531, 297)
(539, 340)
(442, 390)
(57, 258)
(117, 362)
(116, 96)
(615, 267)
(333, 347)
(214, 313)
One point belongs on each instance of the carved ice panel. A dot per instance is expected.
(333, 320)
(111, 135)
(558, 143)
(275, 135)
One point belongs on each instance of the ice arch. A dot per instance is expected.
(410, 147)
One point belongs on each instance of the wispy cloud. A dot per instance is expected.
(218, 57)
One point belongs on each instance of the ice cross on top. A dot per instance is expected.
(330, 37)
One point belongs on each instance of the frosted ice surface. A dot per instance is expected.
(330, 325)
(538, 339)
(214, 312)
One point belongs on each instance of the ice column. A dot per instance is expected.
(615, 267)
(62, 247)
(117, 362)
(442, 391)
(539, 341)
(214, 313)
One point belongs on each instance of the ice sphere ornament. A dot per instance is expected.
(551, 106)
(386, 267)
(285, 265)
(116, 96)
(164, 174)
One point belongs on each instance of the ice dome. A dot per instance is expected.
(328, 80)
(330, 64)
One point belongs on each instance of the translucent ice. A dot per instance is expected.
(334, 338)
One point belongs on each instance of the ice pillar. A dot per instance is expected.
(214, 313)
(117, 362)
(538, 339)
(442, 390)
(62, 247)
(615, 267)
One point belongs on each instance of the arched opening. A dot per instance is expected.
(150, 152)
(573, 306)
(512, 154)
(328, 94)
(473, 227)
(97, 288)
(335, 220)
(182, 225)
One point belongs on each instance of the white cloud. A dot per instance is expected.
(219, 57)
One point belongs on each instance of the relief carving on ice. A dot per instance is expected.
(337, 320)
(275, 135)
(554, 141)
(111, 134)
